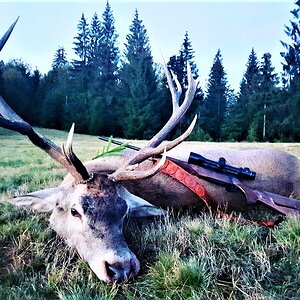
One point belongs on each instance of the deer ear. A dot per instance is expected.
(138, 207)
(41, 201)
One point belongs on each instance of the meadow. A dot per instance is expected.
(185, 255)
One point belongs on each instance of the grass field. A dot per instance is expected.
(183, 256)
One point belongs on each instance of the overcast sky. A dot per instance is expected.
(233, 26)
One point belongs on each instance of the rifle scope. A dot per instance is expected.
(221, 166)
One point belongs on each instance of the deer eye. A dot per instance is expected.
(75, 213)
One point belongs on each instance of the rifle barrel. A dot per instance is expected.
(107, 139)
(199, 160)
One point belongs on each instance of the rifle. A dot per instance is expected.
(228, 176)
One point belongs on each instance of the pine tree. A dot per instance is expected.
(60, 58)
(104, 80)
(240, 115)
(139, 84)
(187, 54)
(178, 63)
(215, 101)
(291, 66)
(79, 97)
(95, 40)
(269, 79)
(261, 105)
(82, 43)
(109, 54)
(291, 77)
(251, 80)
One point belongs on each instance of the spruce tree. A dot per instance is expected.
(240, 115)
(95, 40)
(79, 98)
(291, 77)
(109, 52)
(104, 119)
(291, 56)
(261, 105)
(60, 58)
(215, 101)
(187, 54)
(140, 116)
(178, 63)
(251, 80)
(82, 43)
(269, 79)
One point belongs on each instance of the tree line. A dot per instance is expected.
(125, 94)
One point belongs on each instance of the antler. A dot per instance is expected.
(7, 34)
(154, 147)
(64, 156)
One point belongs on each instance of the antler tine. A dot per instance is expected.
(7, 34)
(175, 94)
(65, 157)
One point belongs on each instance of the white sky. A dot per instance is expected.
(233, 26)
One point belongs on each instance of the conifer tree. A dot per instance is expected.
(109, 52)
(178, 63)
(261, 105)
(79, 97)
(60, 58)
(139, 84)
(103, 83)
(269, 79)
(215, 101)
(291, 77)
(95, 40)
(187, 54)
(240, 115)
(251, 80)
(82, 43)
(291, 56)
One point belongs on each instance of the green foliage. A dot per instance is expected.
(106, 151)
(81, 43)
(215, 101)
(291, 56)
(139, 100)
(18, 86)
(103, 80)
(60, 59)
(130, 98)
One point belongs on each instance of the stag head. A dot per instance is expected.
(89, 207)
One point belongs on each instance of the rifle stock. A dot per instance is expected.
(281, 204)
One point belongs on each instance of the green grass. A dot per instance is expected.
(186, 255)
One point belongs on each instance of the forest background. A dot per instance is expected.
(124, 94)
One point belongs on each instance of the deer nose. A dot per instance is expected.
(122, 271)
